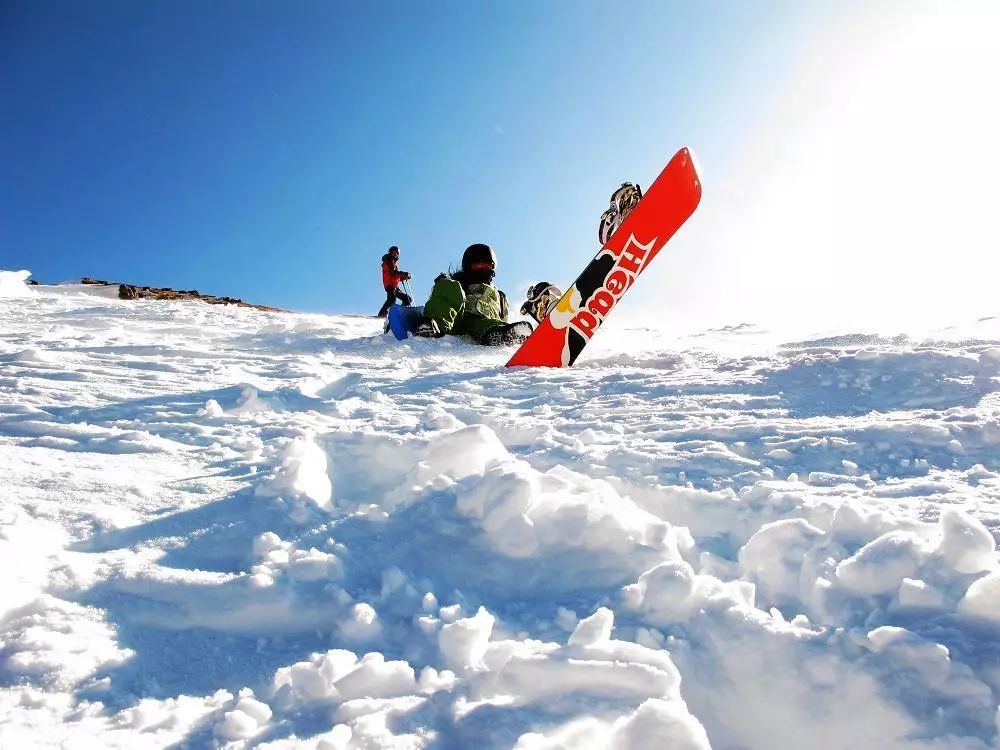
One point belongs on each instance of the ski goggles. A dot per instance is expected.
(482, 265)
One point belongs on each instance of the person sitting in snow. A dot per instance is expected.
(466, 303)
(391, 278)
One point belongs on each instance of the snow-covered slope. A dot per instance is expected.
(222, 525)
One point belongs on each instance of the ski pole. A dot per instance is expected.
(406, 288)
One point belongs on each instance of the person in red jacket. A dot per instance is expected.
(391, 278)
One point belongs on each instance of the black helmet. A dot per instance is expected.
(393, 250)
(478, 253)
(479, 263)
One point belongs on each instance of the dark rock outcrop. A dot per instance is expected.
(130, 291)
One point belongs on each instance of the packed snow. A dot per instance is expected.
(223, 527)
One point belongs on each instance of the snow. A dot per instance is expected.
(223, 527)
(12, 284)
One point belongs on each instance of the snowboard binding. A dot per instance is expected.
(623, 200)
(542, 297)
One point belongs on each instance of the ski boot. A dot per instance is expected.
(511, 334)
(428, 328)
(542, 297)
(623, 200)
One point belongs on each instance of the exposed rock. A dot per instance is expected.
(130, 291)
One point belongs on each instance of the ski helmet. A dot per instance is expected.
(479, 262)
(394, 251)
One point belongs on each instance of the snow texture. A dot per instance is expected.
(224, 527)
(12, 284)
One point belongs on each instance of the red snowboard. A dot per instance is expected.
(667, 204)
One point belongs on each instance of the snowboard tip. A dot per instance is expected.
(691, 157)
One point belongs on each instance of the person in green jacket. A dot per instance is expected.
(466, 303)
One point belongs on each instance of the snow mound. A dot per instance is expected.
(12, 284)
(231, 527)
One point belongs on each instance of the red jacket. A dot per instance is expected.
(391, 276)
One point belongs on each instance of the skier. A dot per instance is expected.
(466, 303)
(391, 278)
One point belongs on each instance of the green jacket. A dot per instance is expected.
(462, 312)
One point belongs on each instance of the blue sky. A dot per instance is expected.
(273, 151)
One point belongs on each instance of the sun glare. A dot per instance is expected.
(869, 195)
